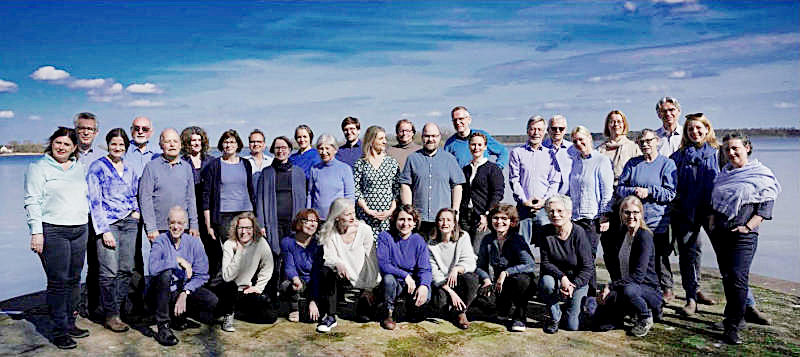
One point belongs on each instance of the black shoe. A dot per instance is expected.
(76, 332)
(731, 337)
(550, 327)
(65, 342)
(753, 316)
(720, 325)
(165, 337)
(179, 324)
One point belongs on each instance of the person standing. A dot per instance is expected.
(483, 189)
(458, 143)
(376, 186)
(330, 178)
(58, 212)
(306, 156)
(87, 126)
(617, 146)
(669, 134)
(351, 151)
(257, 158)
(141, 152)
(405, 131)
(563, 149)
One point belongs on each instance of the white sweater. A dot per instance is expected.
(464, 256)
(358, 257)
(241, 266)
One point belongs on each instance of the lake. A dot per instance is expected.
(778, 253)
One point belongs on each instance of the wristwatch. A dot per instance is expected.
(188, 292)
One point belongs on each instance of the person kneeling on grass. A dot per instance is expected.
(179, 266)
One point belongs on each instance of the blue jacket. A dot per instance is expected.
(266, 202)
(696, 171)
(459, 147)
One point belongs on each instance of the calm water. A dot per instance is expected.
(778, 252)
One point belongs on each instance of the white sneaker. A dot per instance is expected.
(326, 324)
(227, 323)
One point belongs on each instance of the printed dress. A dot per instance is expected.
(378, 187)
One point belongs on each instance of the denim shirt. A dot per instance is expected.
(111, 196)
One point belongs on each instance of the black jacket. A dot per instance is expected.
(486, 189)
(642, 262)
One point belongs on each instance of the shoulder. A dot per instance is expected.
(384, 236)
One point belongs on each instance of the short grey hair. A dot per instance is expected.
(665, 100)
(556, 117)
(534, 119)
(326, 139)
(86, 115)
(644, 132)
(564, 199)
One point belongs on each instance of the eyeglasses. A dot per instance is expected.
(85, 128)
(644, 141)
(630, 213)
(404, 131)
(558, 128)
(279, 148)
(245, 228)
(307, 220)
(143, 129)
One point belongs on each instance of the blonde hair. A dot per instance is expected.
(369, 138)
(625, 129)
(633, 200)
(234, 226)
(710, 138)
(580, 129)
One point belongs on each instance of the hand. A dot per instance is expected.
(452, 278)
(483, 225)
(421, 296)
(250, 290)
(297, 284)
(567, 287)
(741, 229)
(313, 311)
(109, 241)
(498, 286)
(264, 232)
(342, 271)
(211, 233)
(186, 266)
(367, 294)
(382, 215)
(458, 304)
(604, 224)
(194, 232)
(180, 305)
(136, 215)
(410, 283)
(603, 295)
(641, 192)
(152, 236)
(37, 243)
(537, 203)
(485, 287)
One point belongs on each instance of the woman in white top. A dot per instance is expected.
(349, 254)
(453, 264)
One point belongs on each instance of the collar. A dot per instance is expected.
(529, 147)
(178, 161)
(353, 145)
(481, 160)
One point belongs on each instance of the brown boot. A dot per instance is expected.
(462, 322)
(388, 323)
(689, 309)
(668, 296)
(753, 316)
(113, 323)
(702, 299)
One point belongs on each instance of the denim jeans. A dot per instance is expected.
(62, 258)
(530, 226)
(735, 252)
(116, 265)
(551, 295)
(641, 298)
(690, 252)
(394, 288)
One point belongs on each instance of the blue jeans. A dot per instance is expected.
(549, 288)
(529, 226)
(690, 252)
(735, 252)
(394, 288)
(116, 265)
(62, 258)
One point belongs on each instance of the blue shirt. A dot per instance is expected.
(431, 178)
(659, 178)
(111, 196)
(564, 154)
(329, 181)
(162, 186)
(591, 186)
(137, 158)
(163, 256)
(233, 192)
(305, 160)
(459, 147)
(349, 154)
(402, 257)
(90, 156)
(54, 195)
(533, 173)
(299, 261)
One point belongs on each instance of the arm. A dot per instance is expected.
(191, 201)
(347, 181)
(548, 266)
(526, 262)
(423, 264)
(665, 193)
(358, 174)
(265, 269)
(625, 186)
(606, 183)
(514, 177)
(482, 265)
(146, 205)
(199, 266)
(494, 147)
(583, 248)
(438, 275)
(34, 196)
(456, 197)
(289, 268)
(646, 250)
(231, 260)
(161, 257)
(497, 186)
(96, 208)
(466, 254)
(405, 194)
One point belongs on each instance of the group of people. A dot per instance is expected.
(422, 226)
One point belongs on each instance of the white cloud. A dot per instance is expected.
(34, 117)
(630, 6)
(146, 88)
(87, 83)
(608, 78)
(6, 86)
(110, 92)
(115, 88)
(6, 114)
(555, 105)
(407, 115)
(433, 114)
(673, 2)
(678, 74)
(785, 105)
(49, 73)
(145, 103)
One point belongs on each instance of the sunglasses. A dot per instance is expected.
(143, 129)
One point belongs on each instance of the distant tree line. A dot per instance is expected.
(25, 146)
(753, 132)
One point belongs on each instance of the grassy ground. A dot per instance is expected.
(676, 336)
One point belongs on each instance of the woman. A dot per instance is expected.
(743, 196)
(306, 156)
(330, 178)
(350, 261)
(651, 177)
(696, 168)
(112, 188)
(227, 191)
(403, 262)
(506, 254)
(618, 147)
(483, 190)
(629, 255)
(194, 150)
(302, 267)
(245, 255)
(452, 268)
(58, 213)
(376, 186)
(567, 264)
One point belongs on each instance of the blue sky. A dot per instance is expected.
(274, 65)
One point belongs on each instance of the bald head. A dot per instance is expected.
(141, 131)
(431, 135)
(170, 143)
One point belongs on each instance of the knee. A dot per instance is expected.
(631, 291)
(389, 282)
(547, 284)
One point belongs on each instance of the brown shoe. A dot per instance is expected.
(689, 309)
(753, 316)
(702, 299)
(113, 323)
(388, 323)
(462, 321)
(668, 296)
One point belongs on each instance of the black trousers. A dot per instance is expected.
(735, 252)
(518, 289)
(466, 287)
(253, 307)
(592, 228)
(62, 258)
(201, 304)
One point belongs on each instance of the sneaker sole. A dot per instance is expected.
(323, 328)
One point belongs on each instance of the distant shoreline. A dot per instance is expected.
(22, 154)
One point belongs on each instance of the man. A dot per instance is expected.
(564, 151)
(258, 159)
(405, 131)
(86, 125)
(180, 268)
(166, 181)
(669, 134)
(351, 151)
(431, 179)
(458, 143)
(534, 177)
(140, 153)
